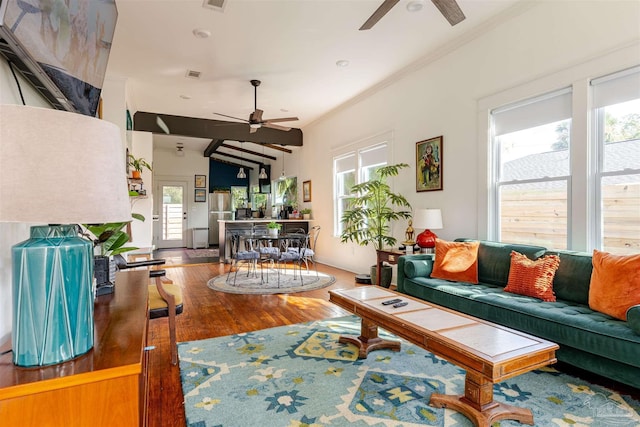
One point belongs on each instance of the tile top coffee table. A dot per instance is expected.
(488, 352)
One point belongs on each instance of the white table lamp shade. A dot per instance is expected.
(430, 219)
(58, 167)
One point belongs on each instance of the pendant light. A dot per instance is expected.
(241, 174)
(282, 175)
(263, 173)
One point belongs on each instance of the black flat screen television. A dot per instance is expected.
(64, 45)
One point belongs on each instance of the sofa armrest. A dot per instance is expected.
(410, 266)
(633, 318)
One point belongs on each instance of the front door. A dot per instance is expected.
(172, 214)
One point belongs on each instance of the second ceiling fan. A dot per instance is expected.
(255, 119)
(449, 9)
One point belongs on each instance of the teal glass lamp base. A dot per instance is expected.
(52, 296)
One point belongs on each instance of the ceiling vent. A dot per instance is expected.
(214, 4)
(193, 74)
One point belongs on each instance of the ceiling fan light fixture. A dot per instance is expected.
(255, 125)
(415, 5)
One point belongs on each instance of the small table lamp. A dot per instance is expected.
(62, 169)
(429, 219)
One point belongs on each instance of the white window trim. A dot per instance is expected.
(582, 159)
(356, 148)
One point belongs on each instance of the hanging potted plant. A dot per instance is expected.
(137, 165)
(369, 214)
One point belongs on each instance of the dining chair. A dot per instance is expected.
(247, 255)
(308, 254)
(165, 299)
(297, 240)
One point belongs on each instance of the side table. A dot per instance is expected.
(389, 256)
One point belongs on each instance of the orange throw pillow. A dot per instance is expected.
(457, 261)
(615, 283)
(532, 278)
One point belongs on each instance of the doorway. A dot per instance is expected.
(170, 229)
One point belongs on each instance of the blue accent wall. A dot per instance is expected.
(223, 175)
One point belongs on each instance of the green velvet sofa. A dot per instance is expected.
(588, 339)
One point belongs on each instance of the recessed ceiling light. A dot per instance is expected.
(342, 63)
(415, 5)
(201, 34)
(185, 97)
(284, 110)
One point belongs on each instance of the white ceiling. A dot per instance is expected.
(290, 45)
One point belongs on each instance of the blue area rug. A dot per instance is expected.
(299, 375)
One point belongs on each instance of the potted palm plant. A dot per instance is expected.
(370, 212)
(137, 164)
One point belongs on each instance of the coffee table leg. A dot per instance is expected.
(478, 405)
(369, 340)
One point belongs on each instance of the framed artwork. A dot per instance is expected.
(429, 164)
(306, 191)
(201, 195)
(201, 181)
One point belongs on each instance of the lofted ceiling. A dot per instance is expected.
(292, 46)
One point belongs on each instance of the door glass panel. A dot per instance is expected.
(172, 197)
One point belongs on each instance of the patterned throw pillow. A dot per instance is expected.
(456, 261)
(615, 283)
(532, 278)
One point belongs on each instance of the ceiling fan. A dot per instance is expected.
(255, 119)
(449, 9)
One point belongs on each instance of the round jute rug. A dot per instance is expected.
(287, 284)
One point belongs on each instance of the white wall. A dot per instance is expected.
(442, 99)
(142, 232)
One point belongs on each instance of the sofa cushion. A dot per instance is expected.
(573, 276)
(457, 261)
(418, 268)
(494, 259)
(615, 283)
(568, 324)
(532, 278)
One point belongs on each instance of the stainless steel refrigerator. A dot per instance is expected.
(219, 208)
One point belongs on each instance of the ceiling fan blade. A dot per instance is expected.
(450, 10)
(379, 13)
(231, 117)
(281, 119)
(274, 126)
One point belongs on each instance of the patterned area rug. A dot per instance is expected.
(269, 282)
(299, 375)
(202, 253)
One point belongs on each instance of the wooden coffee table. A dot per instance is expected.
(488, 352)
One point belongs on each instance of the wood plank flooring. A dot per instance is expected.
(209, 314)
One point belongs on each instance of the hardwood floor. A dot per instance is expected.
(209, 314)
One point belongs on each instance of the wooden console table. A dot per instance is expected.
(105, 387)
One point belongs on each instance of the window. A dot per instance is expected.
(351, 169)
(531, 171)
(616, 102)
(345, 178)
